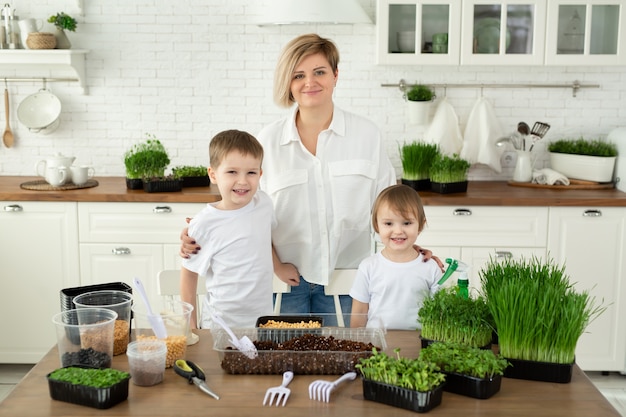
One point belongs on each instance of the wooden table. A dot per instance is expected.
(242, 395)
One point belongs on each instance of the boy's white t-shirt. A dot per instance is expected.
(394, 291)
(236, 259)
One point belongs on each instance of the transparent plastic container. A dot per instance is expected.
(146, 361)
(85, 336)
(118, 301)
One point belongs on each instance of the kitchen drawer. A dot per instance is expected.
(482, 226)
(133, 222)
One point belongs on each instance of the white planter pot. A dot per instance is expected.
(419, 112)
(584, 167)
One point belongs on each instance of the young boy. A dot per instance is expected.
(235, 234)
(390, 285)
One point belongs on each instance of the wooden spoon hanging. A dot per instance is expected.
(7, 138)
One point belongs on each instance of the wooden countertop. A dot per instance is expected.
(242, 395)
(479, 193)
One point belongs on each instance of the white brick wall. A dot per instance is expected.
(185, 70)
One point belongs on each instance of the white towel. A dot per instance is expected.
(444, 129)
(481, 133)
(549, 176)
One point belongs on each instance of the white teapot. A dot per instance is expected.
(58, 160)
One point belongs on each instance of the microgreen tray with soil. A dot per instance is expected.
(335, 351)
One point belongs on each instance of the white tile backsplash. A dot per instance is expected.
(188, 69)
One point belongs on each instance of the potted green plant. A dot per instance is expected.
(448, 174)
(417, 158)
(582, 159)
(192, 176)
(539, 316)
(93, 387)
(448, 317)
(63, 22)
(147, 159)
(412, 384)
(419, 98)
(470, 371)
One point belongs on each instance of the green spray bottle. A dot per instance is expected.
(463, 280)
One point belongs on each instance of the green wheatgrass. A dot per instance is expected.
(417, 157)
(97, 378)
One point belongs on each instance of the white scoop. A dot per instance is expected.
(156, 321)
(244, 345)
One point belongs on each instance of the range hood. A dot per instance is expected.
(298, 12)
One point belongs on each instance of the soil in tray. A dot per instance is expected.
(307, 354)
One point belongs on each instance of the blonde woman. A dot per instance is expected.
(323, 169)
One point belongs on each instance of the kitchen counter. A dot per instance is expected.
(242, 395)
(479, 193)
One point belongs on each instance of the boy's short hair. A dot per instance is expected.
(233, 140)
(293, 53)
(402, 199)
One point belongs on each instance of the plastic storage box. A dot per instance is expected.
(307, 362)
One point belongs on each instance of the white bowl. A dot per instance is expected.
(406, 41)
(39, 110)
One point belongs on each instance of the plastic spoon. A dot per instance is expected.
(156, 321)
(244, 345)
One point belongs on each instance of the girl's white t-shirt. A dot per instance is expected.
(395, 291)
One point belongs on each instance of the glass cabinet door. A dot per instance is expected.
(418, 32)
(506, 33)
(585, 33)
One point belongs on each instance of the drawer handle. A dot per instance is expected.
(462, 212)
(162, 209)
(13, 208)
(121, 251)
(503, 255)
(592, 213)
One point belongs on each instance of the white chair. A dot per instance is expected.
(279, 288)
(168, 286)
(340, 284)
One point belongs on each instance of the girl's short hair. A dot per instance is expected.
(293, 53)
(402, 199)
(228, 141)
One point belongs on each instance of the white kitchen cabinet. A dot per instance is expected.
(503, 32)
(586, 32)
(591, 243)
(476, 234)
(119, 241)
(405, 30)
(39, 257)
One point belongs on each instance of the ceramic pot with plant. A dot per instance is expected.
(448, 174)
(63, 22)
(539, 316)
(417, 158)
(145, 160)
(583, 159)
(470, 371)
(419, 99)
(412, 384)
(446, 316)
(192, 176)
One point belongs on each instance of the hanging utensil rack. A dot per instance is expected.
(575, 86)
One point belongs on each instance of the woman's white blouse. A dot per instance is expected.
(323, 202)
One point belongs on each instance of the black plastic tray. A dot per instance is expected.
(68, 294)
(101, 398)
(539, 371)
(470, 386)
(419, 402)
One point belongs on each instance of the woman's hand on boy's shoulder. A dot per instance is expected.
(188, 244)
(428, 254)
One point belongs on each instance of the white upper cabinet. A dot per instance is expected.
(503, 32)
(586, 32)
(418, 32)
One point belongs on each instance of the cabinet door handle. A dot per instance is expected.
(592, 213)
(162, 209)
(462, 212)
(503, 255)
(121, 251)
(13, 207)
